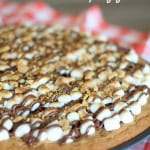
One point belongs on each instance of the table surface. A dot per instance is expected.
(128, 13)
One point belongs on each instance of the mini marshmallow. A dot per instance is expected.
(132, 80)
(132, 57)
(22, 130)
(119, 93)
(77, 74)
(42, 90)
(94, 107)
(76, 54)
(25, 113)
(75, 95)
(55, 122)
(9, 104)
(146, 69)
(143, 99)
(35, 133)
(107, 100)
(126, 116)
(103, 76)
(5, 94)
(134, 97)
(54, 105)
(135, 108)
(8, 124)
(119, 105)
(4, 135)
(64, 98)
(51, 86)
(97, 100)
(139, 74)
(54, 133)
(116, 117)
(35, 106)
(84, 127)
(103, 114)
(3, 67)
(64, 71)
(73, 116)
(7, 86)
(69, 140)
(111, 124)
(32, 92)
(111, 47)
(41, 81)
(123, 65)
(146, 80)
(42, 136)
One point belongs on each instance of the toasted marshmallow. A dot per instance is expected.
(135, 108)
(134, 97)
(76, 54)
(103, 114)
(9, 104)
(54, 133)
(73, 116)
(7, 86)
(146, 80)
(111, 124)
(77, 74)
(22, 130)
(116, 117)
(146, 69)
(107, 100)
(64, 98)
(3, 67)
(51, 86)
(43, 90)
(75, 95)
(132, 80)
(85, 126)
(4, 135)
(103, 76)
(119, 93)
(35, 106)
(123, 65)
(126, 116)
(35, 133)
(5, 94)
(119, 105)
(55, 105)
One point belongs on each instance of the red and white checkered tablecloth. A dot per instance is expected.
(90, 20)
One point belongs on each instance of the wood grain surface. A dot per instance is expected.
(128, 13)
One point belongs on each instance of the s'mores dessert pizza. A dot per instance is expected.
(65, 89)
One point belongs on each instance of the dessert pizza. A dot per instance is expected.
(65, 89)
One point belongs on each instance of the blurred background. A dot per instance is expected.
(128, 13)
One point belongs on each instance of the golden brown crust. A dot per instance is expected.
(100, 141)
